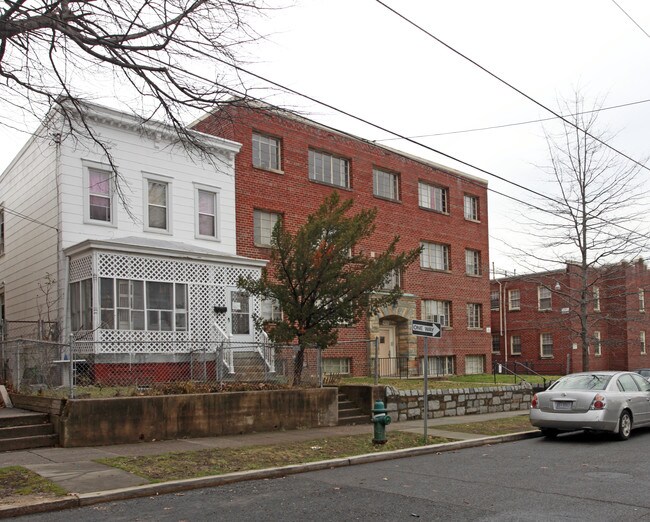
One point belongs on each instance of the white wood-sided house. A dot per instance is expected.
(158, 279)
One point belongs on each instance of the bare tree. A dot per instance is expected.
(592, 225)
(162, 59)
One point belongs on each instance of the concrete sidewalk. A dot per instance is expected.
(74, 469)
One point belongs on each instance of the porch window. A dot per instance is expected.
(81, 305)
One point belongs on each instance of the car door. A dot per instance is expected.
(637, 400)
(644, 386)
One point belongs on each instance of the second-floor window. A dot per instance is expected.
(157, 205)
(432, 197)
(99, 195)
(207, 213)
(391, 281)
(472, 262)
(385, 184)
(598, 348)
(641, 300)
(494, 300)
(266, 152)
(514, 300)
(436, 311)
(471, 207)
(474, 315)
(329, 169)
(435, 256)
(543, 298)
(596, 292)
(264, 223)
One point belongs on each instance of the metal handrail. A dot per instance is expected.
(513, 373)
(227, 357)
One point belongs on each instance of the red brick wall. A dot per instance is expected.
(295, 196)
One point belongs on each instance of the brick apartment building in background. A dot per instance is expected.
(535, 319)
(289, 164)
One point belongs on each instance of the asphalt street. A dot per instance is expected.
(576, 477)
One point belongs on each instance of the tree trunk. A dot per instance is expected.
(297, 366)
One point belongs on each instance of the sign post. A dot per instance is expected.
(426, 329)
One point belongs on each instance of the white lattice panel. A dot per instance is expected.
(81, 268)
(233, 275)
(135, 341)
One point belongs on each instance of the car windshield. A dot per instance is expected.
(645, 373)
(583, 381)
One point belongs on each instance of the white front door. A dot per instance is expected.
(239, 317)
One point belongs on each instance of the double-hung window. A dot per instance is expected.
(433, 198)
(596, 293)
(515, 345)
(330, 169)
(98, 194)
(158, 205)
(264, 223)
(471, 207)
(207, 205)
(474, 315)
(472, 262)
(642, 341)
(598, 345)
(496, 343)
(514, 300)
(546, 345)
(494, 300)
(436, 311)
(641, 300)
(385, 184)
(266, 152)
(543, 298)
(434, 255)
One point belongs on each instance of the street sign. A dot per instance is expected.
(426, 328)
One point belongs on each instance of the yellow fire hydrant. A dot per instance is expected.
(380, 419)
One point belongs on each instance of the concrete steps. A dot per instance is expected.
(350, 413)
(22, 431)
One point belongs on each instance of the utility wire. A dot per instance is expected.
(632, 19)
(498, 78)
(28, 218)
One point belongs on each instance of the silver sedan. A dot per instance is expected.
(601, 401)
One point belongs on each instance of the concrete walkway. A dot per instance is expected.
(74, 469)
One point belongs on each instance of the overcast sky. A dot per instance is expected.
(360, 57)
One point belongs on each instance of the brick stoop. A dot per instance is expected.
(349, 413)
(26, 431)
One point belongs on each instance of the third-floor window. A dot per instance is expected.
(385, 184)
(329, 169)
(266, 152)
(432, 197)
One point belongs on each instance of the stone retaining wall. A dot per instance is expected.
(405, 405)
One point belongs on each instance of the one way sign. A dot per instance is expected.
(426, 328)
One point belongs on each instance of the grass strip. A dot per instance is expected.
(491, 427)
(19, 481)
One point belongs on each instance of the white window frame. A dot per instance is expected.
(87, 192)
(385, 180)
(596, 295)
(270, 310)
(642, 341)
(259, 239)
(513, 344)
(197, 214)
(542, 338)
(472, 262)
(258, 142)
(155, 178)
(323, 176)
(641, 300)
(475, 363)
(392, 280)
(433, 197)
(541, 289)
(512, 300)
(440, 365)
(471, 208)
(435, 251)
(341, 365)
(598, 345)
(474, 316)
(438, 311)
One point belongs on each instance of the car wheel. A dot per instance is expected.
(624, 426)
(549, 433)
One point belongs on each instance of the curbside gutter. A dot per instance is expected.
(148, 490)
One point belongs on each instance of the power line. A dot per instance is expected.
(505, 125)
(28, 218)
(498, 78)
(632, 19)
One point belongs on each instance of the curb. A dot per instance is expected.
(89, 499)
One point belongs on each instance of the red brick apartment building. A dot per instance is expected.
(289, 164)
(535, 319)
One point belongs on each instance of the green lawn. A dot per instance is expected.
(450, 381)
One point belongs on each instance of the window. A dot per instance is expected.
(543, 298)
(440, 365)
(598, 347)
(514, 299)
(81, 305)
(515, 344)
(496, 343)
(433, 198)
(472, 262)
(546, 345)
(271, 310)
(266, 152)
(99, 195)
(474, 364)
(329, 169)
(391, 281)
(596, 293)
(264, 223)
(434, 256)
(2, 231)
(494, 300)
(157, 207)
(336, 365)
(385, 184)
(641, 300)
(474, 315)
(436, 311)
(471, 207)
(642, 341)
(122, 303)
(207, 206)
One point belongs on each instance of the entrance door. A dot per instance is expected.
(387, 359)
(240, 320)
